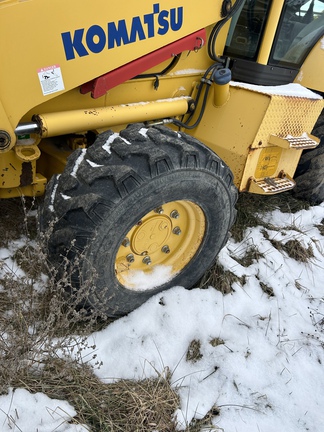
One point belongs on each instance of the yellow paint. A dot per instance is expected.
(246, 128)
(167, 236)
(310, 74)
(268, 161)
(270, 31)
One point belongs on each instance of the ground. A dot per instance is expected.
(243, 351)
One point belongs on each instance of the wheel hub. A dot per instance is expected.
(151, 235)
(167, 237)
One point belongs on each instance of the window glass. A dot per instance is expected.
(246, 28)
(301, 25)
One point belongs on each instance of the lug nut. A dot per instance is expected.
(176, 230)
(174, 214)
(165, 249)
(126, 242)
(159, 210)
(147, 260)
(130, 258)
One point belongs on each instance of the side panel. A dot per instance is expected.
(311, 73)
(75, 42)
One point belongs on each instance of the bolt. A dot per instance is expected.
(174, 214)
(159, 210)
(130, 258)
(176, 230)
(126, 242)
(147, 260)
(165, 249)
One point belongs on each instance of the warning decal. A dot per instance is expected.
(50, 79)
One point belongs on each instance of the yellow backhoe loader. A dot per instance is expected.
(140, 121)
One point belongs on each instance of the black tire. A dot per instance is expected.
(101, 195)
(309, 175)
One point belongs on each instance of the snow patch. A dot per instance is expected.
(290, 90)
(93, 164)
(24, 411)
(51, 206)
(188, 72)
(143, 131)
(140, 281)
(78, 162)
(65, 197)
(111, 139)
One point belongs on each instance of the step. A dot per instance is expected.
(270, 186)
(306, 141)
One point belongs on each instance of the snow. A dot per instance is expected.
(43, 414)
(137, 280)
(111, 139)
(261, 355)
(93, 164)
(290, 90)
(51, 205)
(188, 71)
(78, 162)
(143, 131)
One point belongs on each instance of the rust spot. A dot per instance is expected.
(26, 177)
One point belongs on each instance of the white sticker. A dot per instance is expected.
(50, 79)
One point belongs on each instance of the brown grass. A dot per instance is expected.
(220, 279)
(36, 322)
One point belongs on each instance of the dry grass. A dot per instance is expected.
(252, 255)
(125, 405)
(220, 279)
(320, 227)
(267, 289)
(193, 353)
(293, 248)
(36, 322)
(250, 208)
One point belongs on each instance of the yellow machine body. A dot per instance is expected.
(70, 68)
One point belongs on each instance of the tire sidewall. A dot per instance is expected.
(203, 188)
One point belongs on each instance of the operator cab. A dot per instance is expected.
(254, 59)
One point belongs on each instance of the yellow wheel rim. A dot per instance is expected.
(160, 245)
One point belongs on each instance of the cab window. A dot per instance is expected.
(246, 30)
(301, 25)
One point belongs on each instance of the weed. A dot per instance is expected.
(320, 227)
(266, 289)
(221, 279)
(193, 352)
(250, 208)
(39, 352)
(252, 255)
(214, 342)
(125, 405)
(293, 248)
